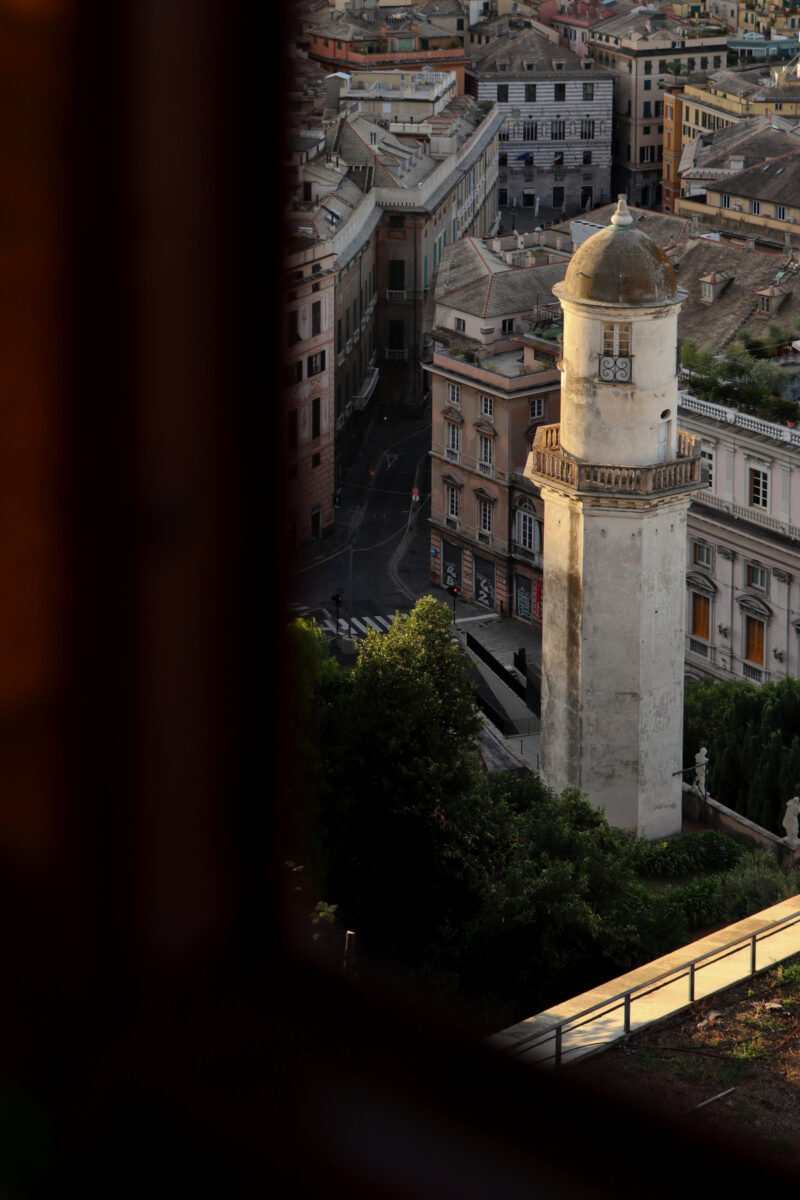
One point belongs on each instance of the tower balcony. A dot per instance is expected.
(548, 463)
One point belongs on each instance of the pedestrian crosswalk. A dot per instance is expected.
(356, 626)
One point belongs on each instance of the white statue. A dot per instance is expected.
(790, 822)
(700, 764)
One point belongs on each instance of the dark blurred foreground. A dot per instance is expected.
(160, 1024)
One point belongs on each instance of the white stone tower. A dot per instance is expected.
(616, 477)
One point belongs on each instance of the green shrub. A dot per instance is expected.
(685, 854)
(754, 883)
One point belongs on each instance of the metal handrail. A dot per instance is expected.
(674, 975)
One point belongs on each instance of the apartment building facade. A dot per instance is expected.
(555, 140)
(645, 50)
(494, 379)
(743, 552)
(308, 394)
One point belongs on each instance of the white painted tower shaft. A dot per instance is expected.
(616, 477)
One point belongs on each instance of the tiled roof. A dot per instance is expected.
(713, 326)
(515, 290)
(777, 181)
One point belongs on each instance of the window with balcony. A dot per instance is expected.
(485, 454)
(452, 500)
(557, 130)
(485, 515)
(452, 434)
(587, 130)
(754, 631)
(701, 616)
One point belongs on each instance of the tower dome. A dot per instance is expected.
(620, 265)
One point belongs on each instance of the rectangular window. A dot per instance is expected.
(316, 318)
(557, 130)
(485, 454)
(616, 339)
(780, 212)
(559, 92)
(755, 207)
(701, 616)
(759, 488)
(530, 92)
(529, 131)
(451, 502)
(725, 200)
(558, 197)
(707, 457)
(526, 530)
(502, 93)
(587, 158)
(588, 91)
(537, 408)
(315, 417)
(756, 577)
(754, 640)
(294, 373)
(459, 324)
(703, 554)
(452, 441)
(485, 516)
(508, 325)
(315, 364)
(453, 394)
(587, 130)
(487, 406)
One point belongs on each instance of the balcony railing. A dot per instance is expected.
(547, 460)
(396, 355)
(531, 556)
(395, 293)
(361, 400)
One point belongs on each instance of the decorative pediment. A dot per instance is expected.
(452, 481)
(485, 427)
(700, 583)
(452, 414)
(482, 494)
(754, 607)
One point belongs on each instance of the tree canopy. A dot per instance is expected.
(753, 739)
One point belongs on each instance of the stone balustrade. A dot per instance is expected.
(548, 461)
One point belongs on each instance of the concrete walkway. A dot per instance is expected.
(658, 989)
